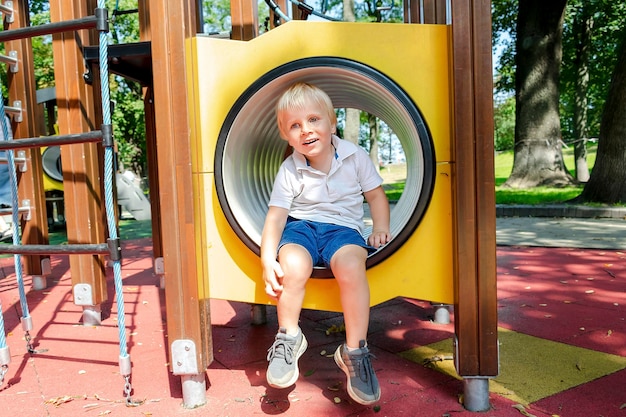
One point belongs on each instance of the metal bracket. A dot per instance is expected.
(21, 161)
(7, 11)
(11, 59)
(159, 267)
(184, 357)
(83, 295)
(25, 209)
(46, 267)
(15, 110)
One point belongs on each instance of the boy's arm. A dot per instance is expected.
(272, 231)
(379, 208)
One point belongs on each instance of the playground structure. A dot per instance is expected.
(452, 210)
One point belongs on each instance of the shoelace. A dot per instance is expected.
(281, 349)
(362, 366)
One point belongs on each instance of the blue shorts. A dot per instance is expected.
(321, 240)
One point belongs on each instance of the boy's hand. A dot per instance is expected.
(271, 275)
(379, 238)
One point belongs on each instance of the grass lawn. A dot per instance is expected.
(540, 195)
(395, 175)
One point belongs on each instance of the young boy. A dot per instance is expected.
(315, 218)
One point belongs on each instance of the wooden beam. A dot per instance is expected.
(82, 183)
(244, 16)
(151, 143)
(188, 317)
(476, 306)
(22, 87)
(425, 11)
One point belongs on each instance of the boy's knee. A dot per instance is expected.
(295, 261)
(350, 258)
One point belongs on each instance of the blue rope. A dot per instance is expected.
(108, 186)
(16, 220)
(3, 338)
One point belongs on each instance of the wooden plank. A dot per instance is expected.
(475, 309)
(81, 164)
(151, 143)
(425, 11)
(244, 20)
(187, 315)
(21, 86)
(485, 190)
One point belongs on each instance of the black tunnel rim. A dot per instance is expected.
(377, 77)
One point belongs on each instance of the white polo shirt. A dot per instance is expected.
(336, 197)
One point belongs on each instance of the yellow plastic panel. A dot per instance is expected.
(416, 57)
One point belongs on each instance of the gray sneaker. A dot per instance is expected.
(362, 382)
(283, 355)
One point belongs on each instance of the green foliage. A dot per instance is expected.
(504, 121)
(127, 96)
(609, 18)
(216, 14)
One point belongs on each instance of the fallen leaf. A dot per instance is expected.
(610, 332)
(323, 352)
(309, 372)
(57, 401)
(521, 409)
(337, 400)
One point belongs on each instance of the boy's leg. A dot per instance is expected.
(348, 266)
(297, 265)
(290, 343)
(354, 358)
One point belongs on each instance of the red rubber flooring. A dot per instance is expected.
(572, 296)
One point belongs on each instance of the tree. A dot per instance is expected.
(607, 183)
(538, 160)
(590, 32)
(583, 24)
(581, 101)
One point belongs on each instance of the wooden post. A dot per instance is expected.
(476, 306)
(425, 11)
(151, 149)
(244, 16)
(22, 87)
(81, 168)
(188, 317)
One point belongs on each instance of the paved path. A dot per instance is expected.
(561, 232)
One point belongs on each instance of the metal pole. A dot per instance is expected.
(88, 22)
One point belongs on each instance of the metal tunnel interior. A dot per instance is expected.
(249, 150)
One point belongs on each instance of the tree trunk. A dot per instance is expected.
(353, 116)
(352, 126)
(607, 183)
(538, 160)
(372, 121)
(583, 24)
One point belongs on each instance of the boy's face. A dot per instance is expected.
(308, 129)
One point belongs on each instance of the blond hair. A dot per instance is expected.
(297, 96)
